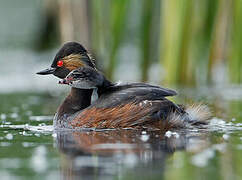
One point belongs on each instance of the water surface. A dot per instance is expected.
(31, 149)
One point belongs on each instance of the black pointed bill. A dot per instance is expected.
(47, 71)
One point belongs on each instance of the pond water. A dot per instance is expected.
(31, 149)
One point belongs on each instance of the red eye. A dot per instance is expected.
(60, 63)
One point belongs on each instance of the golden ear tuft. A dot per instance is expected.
(72, 61)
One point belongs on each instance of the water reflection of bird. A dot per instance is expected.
(114, 152)
(110, 141)
(135, 105)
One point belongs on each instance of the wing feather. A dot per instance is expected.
(135, 92)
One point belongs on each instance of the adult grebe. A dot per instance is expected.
(118, 106)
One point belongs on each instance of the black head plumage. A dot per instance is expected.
(73, 48)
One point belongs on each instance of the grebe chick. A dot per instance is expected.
(135, 105)
(86, 78)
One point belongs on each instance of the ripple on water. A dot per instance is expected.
(41, 118)
(215, 124)
(201, 159)
(39, 161)
(9, 136)
(219, 125)
(27, 127)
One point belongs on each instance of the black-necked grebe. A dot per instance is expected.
(136, 105)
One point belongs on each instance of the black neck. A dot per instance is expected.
(77, 100)
(105, 86)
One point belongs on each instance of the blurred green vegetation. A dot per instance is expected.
(194, 42)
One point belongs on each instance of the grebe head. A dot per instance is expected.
(72, 55)
(84, 78)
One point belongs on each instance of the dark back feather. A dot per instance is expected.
(134, 92)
